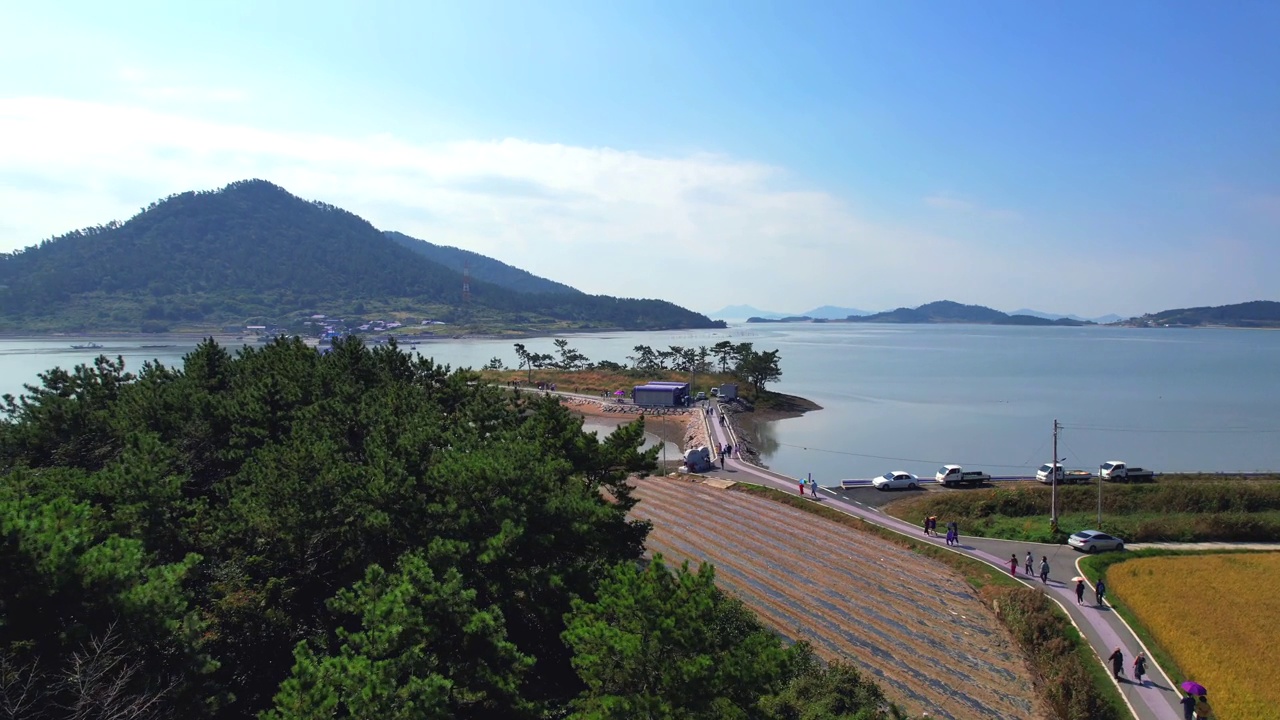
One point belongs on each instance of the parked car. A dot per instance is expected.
(700, 396)
(1092, 541)
(896, 479)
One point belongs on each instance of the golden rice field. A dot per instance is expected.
(1217, 616)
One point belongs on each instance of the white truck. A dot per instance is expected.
(698, 459)
(1047, 472)
(949, 475)
(1117, 471)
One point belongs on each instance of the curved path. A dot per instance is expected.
(1102, 627)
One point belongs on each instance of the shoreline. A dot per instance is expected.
(688, 424)
(424, 337)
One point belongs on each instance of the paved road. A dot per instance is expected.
(1100, 625)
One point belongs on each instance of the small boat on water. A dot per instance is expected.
(87, 346)
(149, 347)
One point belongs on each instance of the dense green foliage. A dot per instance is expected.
(1259, 313)
(480, 267)
(288, 534)
(253, 252)
(235, 514)
(1186, 509)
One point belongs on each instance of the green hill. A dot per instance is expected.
(1257, 314)
(253, 253)
(481, 267)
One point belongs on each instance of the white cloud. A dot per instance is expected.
(700, 230)
(606, 220)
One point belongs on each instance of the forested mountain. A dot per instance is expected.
(481, 267)
(253, 251)
(1258, 313)
(282, 534)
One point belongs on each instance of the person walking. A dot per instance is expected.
(1044, 569)
(1188, 703)
(1117, 663)
(955, 532)
(1013, 565)
(1203, 711)
(1080, 591)
(1030, 565)
(1100, 592)
(801, 488)
(813, 488)
(1139, 668)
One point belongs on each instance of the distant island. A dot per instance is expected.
(252, 257)
(1254, 314)
(824, 312)
(943, 311)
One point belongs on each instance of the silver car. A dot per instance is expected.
(1092, 541)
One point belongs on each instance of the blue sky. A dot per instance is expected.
(1072, 157)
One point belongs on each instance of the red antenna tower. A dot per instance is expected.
(466, 283)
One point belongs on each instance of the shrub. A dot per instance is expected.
(1051, 643)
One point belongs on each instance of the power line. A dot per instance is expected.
(1207, 431)
(900, 459)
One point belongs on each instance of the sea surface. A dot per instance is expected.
(912, 397)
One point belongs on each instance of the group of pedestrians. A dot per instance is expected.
(1195, 707)
(1099, 592)
(1029, 566)
(1139, 666)
(811, 484)
(953, 529)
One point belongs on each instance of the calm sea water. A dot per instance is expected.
(912, 397)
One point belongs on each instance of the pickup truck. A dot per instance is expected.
(1117, 471)
(949, 475)
(1065, 477)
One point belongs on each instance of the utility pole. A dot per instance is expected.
(1054, 469)
(1099, 497)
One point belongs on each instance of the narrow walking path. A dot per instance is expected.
(1100, 625)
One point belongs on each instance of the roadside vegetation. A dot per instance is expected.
(1203, 616)
(1176, 508)
(1069, 678)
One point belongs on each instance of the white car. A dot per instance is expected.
(896, 479)
(1092, 541)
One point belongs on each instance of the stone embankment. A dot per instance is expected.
(694, 434)
(695, 429)
(746, 447)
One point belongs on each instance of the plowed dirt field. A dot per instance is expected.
(912, 623)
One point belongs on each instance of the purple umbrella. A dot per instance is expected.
(619, 392)
(1194, 688)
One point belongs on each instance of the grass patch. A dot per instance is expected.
(1190, 508)
(1169, 599)
(1068, 676)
